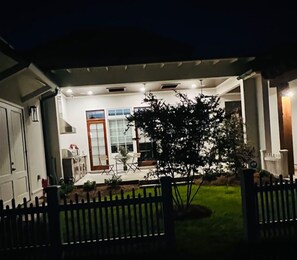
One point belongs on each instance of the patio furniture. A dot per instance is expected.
(104, 158)
(133, 166)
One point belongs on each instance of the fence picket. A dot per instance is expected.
(106, 220)
(267, 206)
(151, 214)
(111, 208)
(58, 223)
(101, 217)
(124, 219)
(119, 234)
(272, 201)
(72, 220)
(140, 216)
(157, 212)
(38, 223)
(129, 217)
(89, 217)
(146, 213)
(283, 205)
(135, 214)
(78, 218)
(83, 214)
(275, 204)
(263, 217)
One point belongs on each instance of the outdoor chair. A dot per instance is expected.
(104, 158)
(133, 166)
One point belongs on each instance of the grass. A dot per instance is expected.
(217, 234)
(221, 236)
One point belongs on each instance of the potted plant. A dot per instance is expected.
(123, 156)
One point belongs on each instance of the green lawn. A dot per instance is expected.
(216, 235)
(221, 236)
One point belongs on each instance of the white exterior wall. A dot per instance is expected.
(274, 122)
(76, 107)
(293, 88)
(36, 153)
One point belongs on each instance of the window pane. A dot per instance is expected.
(118, 134)
(111, 112)
(95, 114)
(126, 111)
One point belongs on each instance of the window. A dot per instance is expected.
(95, 114)
(117, 130)
(145, 145)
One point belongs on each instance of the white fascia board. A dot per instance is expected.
(227, 86)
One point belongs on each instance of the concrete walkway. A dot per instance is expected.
(125, 176)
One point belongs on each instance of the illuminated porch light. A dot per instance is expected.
(90, 92)
(289, 93)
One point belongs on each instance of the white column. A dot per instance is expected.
(284, 163)
(250, 114)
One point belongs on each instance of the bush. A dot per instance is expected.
(114, 181)
(89, 185)
(66, 186)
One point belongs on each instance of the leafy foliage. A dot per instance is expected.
(232, 149)
(191, 138)
(89, 185)
(66, 186)
(114, 181)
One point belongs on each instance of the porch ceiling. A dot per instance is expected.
(131, 77)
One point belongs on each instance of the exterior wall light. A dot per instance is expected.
(33, 113)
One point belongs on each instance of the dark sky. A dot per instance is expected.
(208, 26)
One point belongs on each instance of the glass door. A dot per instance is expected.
(146, 147)
(97, 140)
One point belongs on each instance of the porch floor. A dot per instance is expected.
(125, 176)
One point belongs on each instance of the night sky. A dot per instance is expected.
(210, 26)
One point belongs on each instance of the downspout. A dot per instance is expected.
(51, 167)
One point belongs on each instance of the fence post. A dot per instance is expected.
(249, 209)
(168, 210)
(53, 198)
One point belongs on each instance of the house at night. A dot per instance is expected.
(57, 98)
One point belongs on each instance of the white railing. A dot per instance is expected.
(276, 164)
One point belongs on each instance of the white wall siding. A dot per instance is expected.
(36, 153)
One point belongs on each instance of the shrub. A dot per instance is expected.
(66, 186)
(89, 185)
(114, 181)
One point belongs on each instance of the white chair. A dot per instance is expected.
(104, 158)
(133, 166)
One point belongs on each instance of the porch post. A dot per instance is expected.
(250, 114)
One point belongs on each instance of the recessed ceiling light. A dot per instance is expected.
(194, 86)
(90, 92)
(69, 90)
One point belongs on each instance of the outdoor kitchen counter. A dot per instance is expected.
(74, 167)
